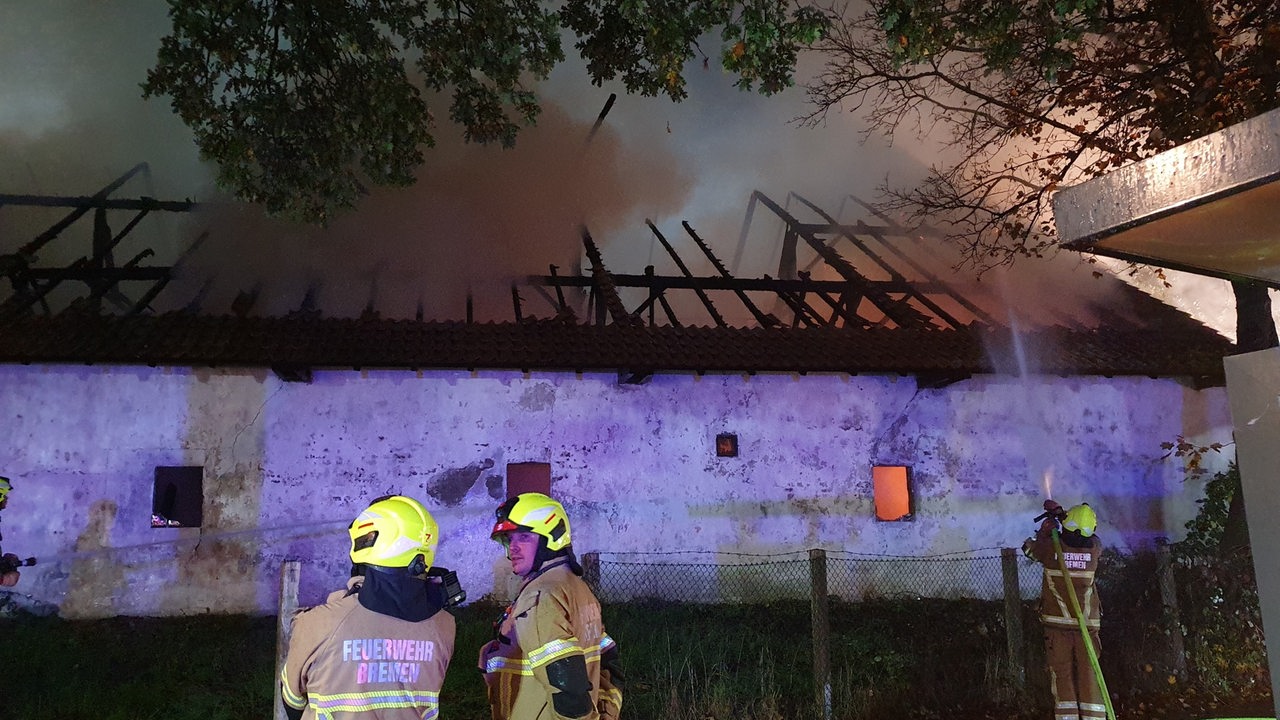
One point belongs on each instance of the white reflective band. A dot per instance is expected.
(515, 666)
(554, 650)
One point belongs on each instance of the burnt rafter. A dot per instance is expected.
(898, 310)
(764, 319)
(694, 282)
(856, 300)
(99, 273)
(604, 288)
(852, 234)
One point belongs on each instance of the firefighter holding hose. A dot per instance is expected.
(1067, 545)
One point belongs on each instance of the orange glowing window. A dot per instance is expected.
(892, 492)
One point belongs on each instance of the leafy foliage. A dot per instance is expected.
(1221, 618)
(301, 103)
(1036, 95)
(1181, 447)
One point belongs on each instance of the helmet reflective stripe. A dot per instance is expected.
(1081, 519)
(535, 513)
(392, 531)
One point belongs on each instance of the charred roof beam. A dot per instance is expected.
(763, 284)
(697, 286)
(764, 319)
(602, 283)
(901, 313)
(849, 233)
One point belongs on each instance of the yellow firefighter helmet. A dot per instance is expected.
(392, 532)
(1081, 519)
(535, 513)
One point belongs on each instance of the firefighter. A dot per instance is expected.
(380, 648)
(551, 658)
(9, 563)
(1077, 694)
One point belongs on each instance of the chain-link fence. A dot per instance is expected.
(828, 634)
(853, 577)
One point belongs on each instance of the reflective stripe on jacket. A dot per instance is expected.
(1082, 565)
(346, 662)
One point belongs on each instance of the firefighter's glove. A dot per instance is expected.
(1054, 509)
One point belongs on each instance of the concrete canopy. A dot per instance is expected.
(1208, 207)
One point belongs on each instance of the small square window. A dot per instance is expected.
(177, 500)
(726, 445)
(523, 477)
(892, 489)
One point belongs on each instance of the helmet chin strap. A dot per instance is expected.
(544, 555)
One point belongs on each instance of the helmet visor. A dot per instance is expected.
(504, 526)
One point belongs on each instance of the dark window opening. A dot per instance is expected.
(177, 500)
(526, 477)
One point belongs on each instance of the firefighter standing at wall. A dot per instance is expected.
(1073, 679)
(380, 648)
(551, 658)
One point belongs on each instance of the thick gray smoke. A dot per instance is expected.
(72, 119)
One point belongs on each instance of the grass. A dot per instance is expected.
(902, 658)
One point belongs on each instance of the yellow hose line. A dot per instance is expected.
(1084, 630)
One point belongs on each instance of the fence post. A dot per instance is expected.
(1015, 643)
(821, 616)
(290, 571)
(1169, 602)
(591, 571)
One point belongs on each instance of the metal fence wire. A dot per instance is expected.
(744, 578)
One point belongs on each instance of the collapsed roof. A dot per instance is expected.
(862, 296)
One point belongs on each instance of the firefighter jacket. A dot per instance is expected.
(1081, 565)
(347, 662)
(554, 616)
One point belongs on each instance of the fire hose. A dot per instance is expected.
(1090, 650)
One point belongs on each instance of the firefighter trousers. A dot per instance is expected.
(1076, 695)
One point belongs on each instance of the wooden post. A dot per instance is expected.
(1014, 640)
(821, 616)
(1169, 602)
(290, 571)
(591, 572)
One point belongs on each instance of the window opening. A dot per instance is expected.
(177, 499)
(891, 487)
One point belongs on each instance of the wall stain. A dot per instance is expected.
(451, 486)
(495, 486)
(95, 580)
(539, 397)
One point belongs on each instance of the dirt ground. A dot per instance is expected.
(1192, 708)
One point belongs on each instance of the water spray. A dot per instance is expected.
(196, 539)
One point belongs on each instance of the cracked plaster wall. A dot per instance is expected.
(288, 465)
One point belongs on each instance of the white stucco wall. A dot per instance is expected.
(288, 465)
